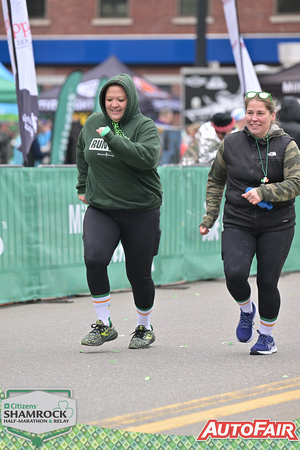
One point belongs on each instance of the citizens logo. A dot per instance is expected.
(258, 429)
(38, 411)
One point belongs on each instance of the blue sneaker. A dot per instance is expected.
(265, 345)
(244, 331)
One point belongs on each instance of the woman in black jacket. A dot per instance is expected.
(260, 167)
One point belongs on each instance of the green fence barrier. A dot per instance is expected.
(41, 250)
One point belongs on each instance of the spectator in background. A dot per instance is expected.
(17, 156)
(170, 137)
(44, 137)
(165, 117)
(76, 127)
(189, 148)
(6, 135)
(211, 134)
(289, 117)
(239, 115)
(35, 154)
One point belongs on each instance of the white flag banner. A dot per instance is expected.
(21, 55)
(246, 72)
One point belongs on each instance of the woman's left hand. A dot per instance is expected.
(203, 230)
(252, 196)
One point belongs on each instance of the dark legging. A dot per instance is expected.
(271, 249)
(139, 233)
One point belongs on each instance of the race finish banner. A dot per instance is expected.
(247, 75)
(63, 118)
(22, 61)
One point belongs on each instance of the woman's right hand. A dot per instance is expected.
(203, 230)
(82, 198)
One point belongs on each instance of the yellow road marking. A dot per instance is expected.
(268, 394)
(223, 411)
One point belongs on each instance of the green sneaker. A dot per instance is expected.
(100, 334)
(142, 338)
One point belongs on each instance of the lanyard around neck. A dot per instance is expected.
(265, 179)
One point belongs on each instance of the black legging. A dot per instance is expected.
(139, 233)
(271, 249)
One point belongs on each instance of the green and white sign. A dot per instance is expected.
(63, 118)
(27, 412)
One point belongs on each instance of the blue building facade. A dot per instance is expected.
(163, 51)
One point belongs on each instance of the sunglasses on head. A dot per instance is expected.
(262, 95)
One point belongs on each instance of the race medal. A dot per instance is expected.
(265, 180)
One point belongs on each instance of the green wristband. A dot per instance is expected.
(105, 131)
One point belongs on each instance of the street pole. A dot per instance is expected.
(200, 59)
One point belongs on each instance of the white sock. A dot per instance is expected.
(102, 307)
(246, 306)
(143, 317)
(267, 327)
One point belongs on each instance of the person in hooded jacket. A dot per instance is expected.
(289, 117)
(117, 152)
(260, 166)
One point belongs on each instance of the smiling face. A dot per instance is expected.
(258, 118)
(115, 102)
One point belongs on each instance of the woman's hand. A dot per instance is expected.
(252, 196)
(82, 198)
(203, 230)
(99, 130)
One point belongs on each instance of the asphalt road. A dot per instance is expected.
(195, 370)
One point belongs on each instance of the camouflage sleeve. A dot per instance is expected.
(290, 187)
(215, 187)
(192, 151)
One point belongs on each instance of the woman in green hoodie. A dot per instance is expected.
(117, 155)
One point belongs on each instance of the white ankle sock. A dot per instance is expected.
(247, 306)
(267, 327)
(102, 307)
(143, 317)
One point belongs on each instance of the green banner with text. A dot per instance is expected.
(41, 249)
(63, 118)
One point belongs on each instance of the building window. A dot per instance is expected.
(36, 9)
(187, 8)
(113, 8)
(288, 6)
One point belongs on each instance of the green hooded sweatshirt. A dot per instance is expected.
(120, 171)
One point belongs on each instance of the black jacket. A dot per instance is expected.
(289, 116)
(244, 170)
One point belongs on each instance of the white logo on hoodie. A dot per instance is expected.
(100, 146)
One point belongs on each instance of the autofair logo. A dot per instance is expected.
(258, 429)
(38, 411)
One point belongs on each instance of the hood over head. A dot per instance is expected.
(290, 109)
(126, 82)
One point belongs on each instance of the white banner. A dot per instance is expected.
(22, 61)
(246, 72)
